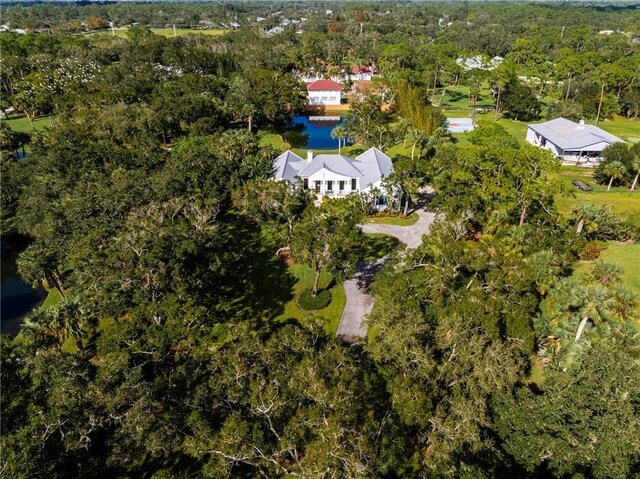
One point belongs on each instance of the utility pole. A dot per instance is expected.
(174, 32)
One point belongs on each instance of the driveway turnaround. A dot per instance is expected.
(359, 302)
(409, 235)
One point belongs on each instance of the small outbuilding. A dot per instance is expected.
(324, 92)
(575, 143)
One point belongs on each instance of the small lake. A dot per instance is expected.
(17, 298)
(313, 132)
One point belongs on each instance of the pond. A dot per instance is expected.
(313, 132)
(18, 299)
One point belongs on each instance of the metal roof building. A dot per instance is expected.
(575, 143)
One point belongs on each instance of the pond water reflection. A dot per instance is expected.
(313, 132)
(17, 298)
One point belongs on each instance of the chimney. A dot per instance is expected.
(581, 125)
(309, 155)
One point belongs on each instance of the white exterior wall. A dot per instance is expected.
(531, 137)
(325, 175)
(324, 97)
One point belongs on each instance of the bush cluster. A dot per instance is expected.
(307, 302)
(592, 250)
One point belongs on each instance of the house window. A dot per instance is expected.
(353, 184)
(318, 184)
(329, 185)
(341, 185)
(305, 183)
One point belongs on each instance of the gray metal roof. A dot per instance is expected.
(339, 164)
(287, 166)
(371, 166)
(375, 166)
(569, 135)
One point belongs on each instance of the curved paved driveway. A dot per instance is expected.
(409, 235)
(359, 301)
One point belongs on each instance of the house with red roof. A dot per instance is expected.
(324, 92)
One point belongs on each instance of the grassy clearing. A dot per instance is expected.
(270, 138)
(622, 202)
(627, 130)
(378, 245)
(165, 32)
(21, 123)
(53, 299)
(623, 254)
(304, 280)
(394, 220)
(457, 97)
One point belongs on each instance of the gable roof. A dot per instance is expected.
(371, 166)
(375, 166)
(287, 166)
(570, 135)
(324, 85)
(338, 164)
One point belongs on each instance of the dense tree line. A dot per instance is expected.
(151, 212)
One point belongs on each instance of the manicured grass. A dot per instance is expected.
(457, 113)
(270, 138)
(304, 280)
(622, 202)
(165, 32)
(21, 123)
(394, 220)
(624, 254)
(627, 130)
(457, 97)
(377, 245)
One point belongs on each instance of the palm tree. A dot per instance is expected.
(635, 166)
(339, 133)
(598, 299)
(71, 320)
(615, 170)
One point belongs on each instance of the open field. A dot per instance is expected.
(20, 123)
(623, 202)
(623, 254)
(165, 32)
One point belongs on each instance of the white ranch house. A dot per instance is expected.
(324, 92)
(335, 176)
(575, 143)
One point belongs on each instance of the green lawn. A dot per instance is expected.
(394, 220)
(622, 202)
(20, 123)
(624, 254)
(165, 32)
(378, 245)
(304, 279)
(627, 130)
(270, 138)
(457, 98)
(53, 299)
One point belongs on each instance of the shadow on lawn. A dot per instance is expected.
(267, 285)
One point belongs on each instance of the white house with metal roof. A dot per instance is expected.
(333, 175)
(575, 143)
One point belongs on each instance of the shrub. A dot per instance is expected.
(306, 302)
(592, 250)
